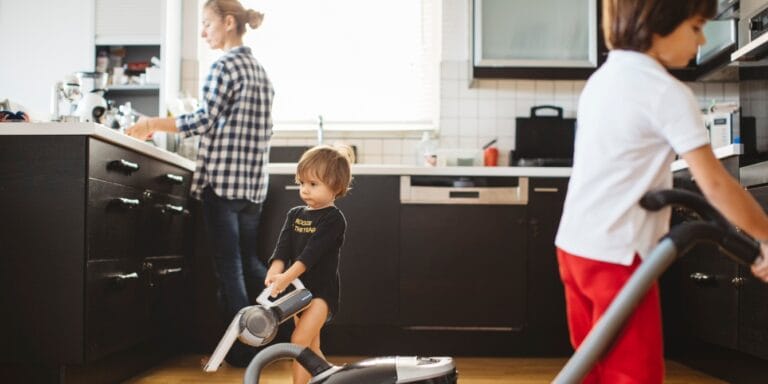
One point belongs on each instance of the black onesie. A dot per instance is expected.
(314, 237)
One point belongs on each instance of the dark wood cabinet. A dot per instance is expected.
(547, 325)
(462, 266)
(368, 266)
(93, 257)
(720, 302)
(753, 301)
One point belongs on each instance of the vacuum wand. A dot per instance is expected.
(257, 325)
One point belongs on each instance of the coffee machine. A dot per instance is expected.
(64, 98)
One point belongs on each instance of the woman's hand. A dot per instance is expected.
(760, 266)
(141, 130)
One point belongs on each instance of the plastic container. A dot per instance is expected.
(426, 151)
(491, 157)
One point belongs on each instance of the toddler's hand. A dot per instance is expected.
(279, 282)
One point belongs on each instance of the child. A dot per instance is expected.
(310, 242)
(633, 116)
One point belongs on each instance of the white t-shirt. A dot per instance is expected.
(632, 117)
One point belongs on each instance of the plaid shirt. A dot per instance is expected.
(235, 125)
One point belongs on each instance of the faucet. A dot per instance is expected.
(319, 129)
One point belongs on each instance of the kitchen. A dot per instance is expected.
(476, 104)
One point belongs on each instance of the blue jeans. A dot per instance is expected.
(233, 231)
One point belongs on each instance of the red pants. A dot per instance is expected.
(637, 355)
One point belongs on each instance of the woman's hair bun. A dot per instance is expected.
(254, 18)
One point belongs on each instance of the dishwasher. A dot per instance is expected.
(463, 252)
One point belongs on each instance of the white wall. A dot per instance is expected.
(43, 41)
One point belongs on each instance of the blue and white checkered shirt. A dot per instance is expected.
(235, 125)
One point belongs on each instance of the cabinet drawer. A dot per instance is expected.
(114, 221)
(166, 219)
(117, 314)
(167, 305)
(123, 166)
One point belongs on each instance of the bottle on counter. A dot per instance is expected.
(426, 151)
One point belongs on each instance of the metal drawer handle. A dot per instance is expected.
(123, 165)
(126, 202)
(169, 271)
(174, 179)
(123, 277)
(545, 190)
(172, 209)
(702, 278)
(292, 187)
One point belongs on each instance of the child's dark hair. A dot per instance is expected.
(631, 24)
(330, 164)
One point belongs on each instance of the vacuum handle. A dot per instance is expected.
(656, 200)
(263, 298)
(717, 229)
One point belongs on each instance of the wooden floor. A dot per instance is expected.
(186, 370)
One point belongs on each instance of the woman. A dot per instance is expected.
(235, 125)
(633, 116)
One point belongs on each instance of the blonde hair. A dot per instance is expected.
(330, 164)
(233, 8)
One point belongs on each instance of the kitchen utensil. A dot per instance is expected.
(544, 140)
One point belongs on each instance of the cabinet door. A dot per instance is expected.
(369, 262)
(546, 299)
(708, 302)
(753, 296)
(535, 34)
(462, 266)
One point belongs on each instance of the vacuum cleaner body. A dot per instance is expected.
(391, 370)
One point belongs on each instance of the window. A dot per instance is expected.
(360, 64)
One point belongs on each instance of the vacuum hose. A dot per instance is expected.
(304, 356)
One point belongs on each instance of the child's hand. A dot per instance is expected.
(279, 282)
(760, 267)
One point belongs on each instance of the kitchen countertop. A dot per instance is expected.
(98, 131)
(396, 169)
(720, 153)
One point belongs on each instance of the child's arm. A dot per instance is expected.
(730, 198)
(281, 255)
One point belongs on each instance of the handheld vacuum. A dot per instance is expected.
(257, 325)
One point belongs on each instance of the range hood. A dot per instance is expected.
(727, 9)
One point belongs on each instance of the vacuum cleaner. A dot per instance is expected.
(441, 370)
(257, 325)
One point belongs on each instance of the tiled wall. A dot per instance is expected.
(472, 116)
(754, 102)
